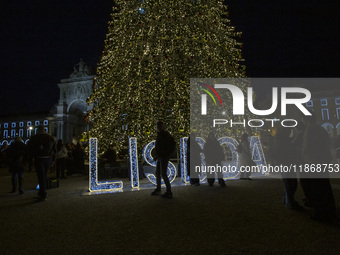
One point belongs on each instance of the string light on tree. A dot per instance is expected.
(152, 49)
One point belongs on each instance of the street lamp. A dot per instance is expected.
(30, 134)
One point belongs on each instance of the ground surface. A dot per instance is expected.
(247, 217)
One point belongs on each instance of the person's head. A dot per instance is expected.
(244, 137)
(211, 136)
(160, 126)
(18, 139)
(40, 129)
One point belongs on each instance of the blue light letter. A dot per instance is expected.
(134, 174)
(150, 160)
(94, 184)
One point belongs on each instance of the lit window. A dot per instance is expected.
(46, 130)
(37, 123)
(13, 124)
(325, 114)
(5, 134)
(21, 124)
(6, 125)
(338, 113)
(309, 103)
(21, 133)
(13, 133)
(29, 123)
(337, 101)
(323, 102)
(45, 122)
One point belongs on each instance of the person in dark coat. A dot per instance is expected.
(3, 155)
(193, 159)
(61, 155)
(337, 149)
(78, 158)
(18, 162)
(283, 153)
(245, 156)
(165, 146)
(214, 155)
(42, 148)
(316, 186)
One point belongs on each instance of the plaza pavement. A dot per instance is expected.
(246, 217)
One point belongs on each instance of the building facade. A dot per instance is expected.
(65, 119)
(325, 104)
(72, 104)
(24, 126)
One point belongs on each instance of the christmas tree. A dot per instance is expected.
(152, 49)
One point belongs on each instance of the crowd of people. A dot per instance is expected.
(307, 143)
(45, 155)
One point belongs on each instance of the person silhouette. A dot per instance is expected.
(18, 162)
(61, 155)
(193, 159)
(316, 186)
(42, 148)
(245, 156)
(214, 155)
(283, 153)
(165, 146)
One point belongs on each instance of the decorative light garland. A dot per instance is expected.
(94, 185)
(183, 159)
(134, 175)
(150, 160)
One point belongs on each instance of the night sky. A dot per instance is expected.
(41, 41)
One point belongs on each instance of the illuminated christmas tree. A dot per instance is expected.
(152, 49)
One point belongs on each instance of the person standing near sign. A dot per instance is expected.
(316, 185)
(42, 149)
(245, 157)
(214, 156)
(18, 160)
(165, 146)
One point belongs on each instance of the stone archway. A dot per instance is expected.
(77, 107)
(76, 111)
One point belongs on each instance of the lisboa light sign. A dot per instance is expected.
(96, 185)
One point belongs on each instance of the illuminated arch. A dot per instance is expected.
(338, 129)
(329, 128)
(77, 106)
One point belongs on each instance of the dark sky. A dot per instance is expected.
(41, 41)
